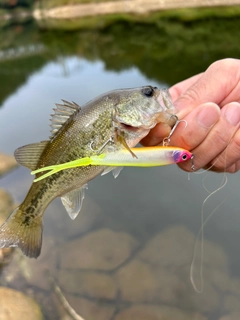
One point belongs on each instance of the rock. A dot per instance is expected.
(21, 269)
(6, 207)
(232, 316)
(153, 312)
(103, 249)
(89, 217)
(4, 254)
(160, 274)
(90, 284)
(7, 163)
(90, 310)
(140, 282)
(136, 282)
(174, 246)
(234, 285)
(17, 306)
(36, 270)
(231, 303)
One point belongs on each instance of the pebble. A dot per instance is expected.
(7, 163)
(17, 306)
(6, 207)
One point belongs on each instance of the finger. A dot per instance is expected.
(231, 155)
(199, 122)
(178, 89)
(218, 140)
(232, 169)
(156, 135)
(209, 88)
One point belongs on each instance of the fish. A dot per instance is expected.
(113, 121)
(145, 157)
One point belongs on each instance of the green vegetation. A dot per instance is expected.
(100, 21)
(166, 49)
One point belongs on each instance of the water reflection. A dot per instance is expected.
(128, 255)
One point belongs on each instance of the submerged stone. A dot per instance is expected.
(91, 310)
(156, 312)
(6, 207)
(103, 249)
(7, 163)
(88, 284)
(17, 306)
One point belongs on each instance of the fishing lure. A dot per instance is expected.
(145, 157)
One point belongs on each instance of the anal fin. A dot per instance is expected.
(73, 200)
(115, 171)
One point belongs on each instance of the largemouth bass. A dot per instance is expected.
(145, 157)
(111, 122)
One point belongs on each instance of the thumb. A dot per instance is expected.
(213, 85)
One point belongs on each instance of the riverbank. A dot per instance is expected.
(124, 6)
(88, 14)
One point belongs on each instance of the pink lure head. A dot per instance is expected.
(182, 155)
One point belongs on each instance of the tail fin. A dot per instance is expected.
(17, 231)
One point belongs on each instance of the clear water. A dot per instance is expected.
(142, 203)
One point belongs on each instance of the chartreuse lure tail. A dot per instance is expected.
(146, 157)
(82, 162)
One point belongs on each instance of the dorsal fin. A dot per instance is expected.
(61, 114)
(30, 154)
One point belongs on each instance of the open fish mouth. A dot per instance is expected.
(129, 127)
(146, 122)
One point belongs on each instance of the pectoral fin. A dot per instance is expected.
(73, 200)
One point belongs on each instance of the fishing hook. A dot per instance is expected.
(192, 166)
(167, 140)
(111, 139)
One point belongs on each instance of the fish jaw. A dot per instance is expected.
(142, 111)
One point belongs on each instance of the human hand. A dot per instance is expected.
(210, 104)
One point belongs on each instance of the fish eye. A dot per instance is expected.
(148, 91)
(184, 157)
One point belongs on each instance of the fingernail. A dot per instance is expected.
(232, 113)
(208, 115)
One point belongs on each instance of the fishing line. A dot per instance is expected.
(74, 315)
(203, 222)
(201, 234)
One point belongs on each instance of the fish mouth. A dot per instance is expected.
(129, 127)
(146, 122)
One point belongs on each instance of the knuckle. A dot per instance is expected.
(192, 94)
(221, 139)
(232, 169)
(236, 143)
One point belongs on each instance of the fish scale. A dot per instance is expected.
(122, 117)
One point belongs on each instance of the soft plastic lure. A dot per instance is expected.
(146, 157)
